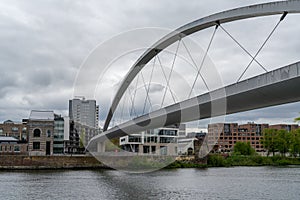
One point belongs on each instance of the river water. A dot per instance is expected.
(213, 183)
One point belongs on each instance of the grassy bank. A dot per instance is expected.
(254, 160)
(237, 160)
(185, 164)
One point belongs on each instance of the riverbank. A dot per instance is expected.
(48, 162)
(232, 161)
(12, 162)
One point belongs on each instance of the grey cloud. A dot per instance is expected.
(156, 88)
(43, 43)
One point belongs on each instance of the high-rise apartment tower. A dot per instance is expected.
(84, 111)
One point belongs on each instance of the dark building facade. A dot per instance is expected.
(79, 136)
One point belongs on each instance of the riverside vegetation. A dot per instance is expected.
(284, 146)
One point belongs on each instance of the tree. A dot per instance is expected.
(294, 147)
(283, 141)
(243, 148)
(269, 140)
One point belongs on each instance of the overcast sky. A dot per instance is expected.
(44, 43)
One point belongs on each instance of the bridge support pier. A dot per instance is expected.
(101, 147)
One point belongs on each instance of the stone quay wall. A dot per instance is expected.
(48, 162)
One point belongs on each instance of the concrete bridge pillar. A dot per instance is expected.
(101, 147)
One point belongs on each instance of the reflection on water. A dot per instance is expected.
(213, 183)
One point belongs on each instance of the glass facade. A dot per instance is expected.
(58, 136)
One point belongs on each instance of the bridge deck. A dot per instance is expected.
(273, 88)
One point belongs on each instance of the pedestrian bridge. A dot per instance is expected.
(271, 88)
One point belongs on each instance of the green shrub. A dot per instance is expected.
(282, 162)
(217, 161)
(243, 148)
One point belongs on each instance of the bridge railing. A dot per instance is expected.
(288, 72)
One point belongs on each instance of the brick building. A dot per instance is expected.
(11, 145)
(225, 135)
(288, 127)
(17, 130)
(40, 129)
(252, 133)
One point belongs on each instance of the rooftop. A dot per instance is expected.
(41, 115)
(8, 139)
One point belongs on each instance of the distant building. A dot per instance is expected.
(287, 127)
(16, 130)
(58, 134)
(191, 143)
(85, 112)
(41, 129)
(224, 135)
(11, 145)
(79, 136)
(161, 141)
(196, 135)
(72, 144)
(182, 131)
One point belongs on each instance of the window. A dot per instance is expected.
(167, 140)
(134, 139)
(16, 149)
(14, 129)
(36, 145)
(48, 133)
(37, 133)
(163, 150)
(146, 149)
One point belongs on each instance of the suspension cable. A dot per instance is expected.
(132, 102)
(264, 43)
(165, 76)
(149, 84)
(144, 83)
(240, 45)
(122, 109)
(170, 74)
(202, 62)
(134, 94)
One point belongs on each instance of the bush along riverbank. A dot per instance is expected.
(216, 160)
(243, 155)
(252, 160)
(194, 163)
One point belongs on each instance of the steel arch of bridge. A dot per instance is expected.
(258, 10)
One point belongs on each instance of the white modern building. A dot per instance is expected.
(85, 112)
(161, 141)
